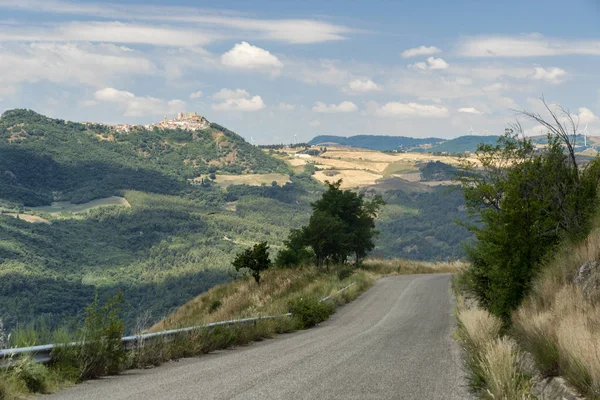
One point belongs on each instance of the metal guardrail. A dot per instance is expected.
(43, 353)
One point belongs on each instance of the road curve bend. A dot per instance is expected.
(393, 342)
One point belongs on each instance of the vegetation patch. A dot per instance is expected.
(65, 206)
(252, 179)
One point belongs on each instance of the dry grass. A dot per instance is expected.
(252, 179)
(384, 267)
(494, 361)
(351, 178)
(244, 298)
(560, 324)
(376, 167)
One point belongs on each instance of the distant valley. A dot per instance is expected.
(160, 213)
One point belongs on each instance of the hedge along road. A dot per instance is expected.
(393, 342)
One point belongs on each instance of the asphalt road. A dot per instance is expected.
(393, 342)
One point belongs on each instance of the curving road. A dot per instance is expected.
(393, 342)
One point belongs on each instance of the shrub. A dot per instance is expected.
(214, 306)
(344, 273)
(33, 374)
(309, 311)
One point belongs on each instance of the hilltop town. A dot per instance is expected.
(186, 121)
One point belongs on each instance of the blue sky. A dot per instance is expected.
(275, 69)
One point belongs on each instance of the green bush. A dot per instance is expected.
(214, 306)
(345, 272)
(100, 351)
(309, 311)
(33, 374)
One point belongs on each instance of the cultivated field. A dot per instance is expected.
(251, 179)
(368, 168)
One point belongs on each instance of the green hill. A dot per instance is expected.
(462, 144)
(44, 160)
(374, 142)
(176, 239)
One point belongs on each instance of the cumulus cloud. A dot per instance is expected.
(420, 51)
(469, 110)
(343, 107)
(432, 63)
(246, 56)
(534, 45)
(136, 106)
(586, 116)
(286, 107)
(237, 100)
(358, 86)
(437, 63)
(552, 75)
(397, 109)
(196, 95)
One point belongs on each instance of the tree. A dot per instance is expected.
(342, 224)
(526, 201)
(326, 235)
(255, 258)
(295, 251)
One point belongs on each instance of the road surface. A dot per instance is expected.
(393, 342)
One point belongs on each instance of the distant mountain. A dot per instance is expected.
(462, 144)
(375, 142)
(388, 143)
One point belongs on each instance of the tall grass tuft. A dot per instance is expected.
(494, 362)
(560, 324)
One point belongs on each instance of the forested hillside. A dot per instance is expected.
(167, 239)
(44, 160)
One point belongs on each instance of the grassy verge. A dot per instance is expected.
(493, 360)
(281, 291)
(559, 323)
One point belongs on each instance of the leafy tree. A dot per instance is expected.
(295, 251)
(326, 235)
(527, 202)
(255, 258)
(342, 224)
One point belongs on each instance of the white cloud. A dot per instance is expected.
(362, 86)
(286, 107)
(437, 63)
(237, 100)
(92, 65)
(469, 110)
(136, 106)
(107, 32)
(196, 95)
(433, 63)
(315, 123)
(586, 116)
(343, 107)
(244, 55)
(286, 30)
(525, 46)
(229, 94)
(397, 109)
(552, 75)
(420, 51)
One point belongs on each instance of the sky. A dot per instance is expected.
(277, 69)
